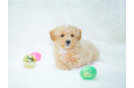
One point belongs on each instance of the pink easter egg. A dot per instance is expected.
(37, 55)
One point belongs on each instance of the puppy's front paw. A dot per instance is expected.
(62, 65)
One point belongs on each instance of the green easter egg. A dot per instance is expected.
(29, 61)
(88, 72)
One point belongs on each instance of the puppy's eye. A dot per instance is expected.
(72, 35)
(62, 35)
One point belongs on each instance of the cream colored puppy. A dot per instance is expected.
(69, 51)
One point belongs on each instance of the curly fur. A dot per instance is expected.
(78, 53)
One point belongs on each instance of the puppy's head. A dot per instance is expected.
(65, 36)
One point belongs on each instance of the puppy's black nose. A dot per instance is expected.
(68, 41)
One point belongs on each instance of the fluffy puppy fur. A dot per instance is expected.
(69, 50)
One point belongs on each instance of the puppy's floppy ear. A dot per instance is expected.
(52, 34)
(79, 32)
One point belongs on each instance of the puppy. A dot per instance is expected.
(69, 50)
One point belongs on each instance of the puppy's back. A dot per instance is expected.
(90, 47)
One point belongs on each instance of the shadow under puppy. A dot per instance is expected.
(70, 51)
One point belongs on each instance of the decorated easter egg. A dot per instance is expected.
(29, 61)
(88, 72)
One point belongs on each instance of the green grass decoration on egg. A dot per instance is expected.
(88, 72)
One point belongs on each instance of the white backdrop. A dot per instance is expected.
(102, 21)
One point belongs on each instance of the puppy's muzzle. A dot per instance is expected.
(68, 42)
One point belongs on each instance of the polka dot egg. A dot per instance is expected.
(88, 72)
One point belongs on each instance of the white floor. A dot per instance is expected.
(101, 21)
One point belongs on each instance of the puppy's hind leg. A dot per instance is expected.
(96, 54)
